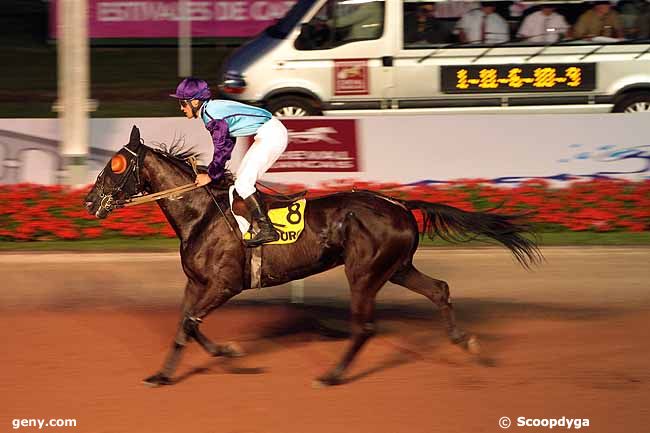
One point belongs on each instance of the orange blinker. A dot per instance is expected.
(118, 164)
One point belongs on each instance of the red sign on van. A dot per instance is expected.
(351, 77)
(319, 145)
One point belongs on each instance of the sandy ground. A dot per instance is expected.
(568, 339)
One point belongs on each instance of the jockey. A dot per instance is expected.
(226, 120)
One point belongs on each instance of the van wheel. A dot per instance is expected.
(633, 103)
(293, 106)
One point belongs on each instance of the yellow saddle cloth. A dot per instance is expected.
(289, 221)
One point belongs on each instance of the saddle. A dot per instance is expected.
(281, 200)
(272, 201)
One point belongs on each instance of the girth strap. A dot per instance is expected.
(253, 268)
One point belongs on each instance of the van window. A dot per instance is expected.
(340, 22)
(508, 23)
(423, 27)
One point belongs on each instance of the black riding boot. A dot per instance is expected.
(267, 232)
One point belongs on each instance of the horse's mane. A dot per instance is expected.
(178, 153)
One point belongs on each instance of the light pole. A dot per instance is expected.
(184, 39)
(73, 77)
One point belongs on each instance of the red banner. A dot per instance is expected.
(319, 145)
(160, 18)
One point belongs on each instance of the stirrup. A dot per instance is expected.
(259, 214)
(261, 238)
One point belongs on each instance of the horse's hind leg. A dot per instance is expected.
(362, 306)
(438, 292)
(365, 277)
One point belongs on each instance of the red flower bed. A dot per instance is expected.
(35, 212)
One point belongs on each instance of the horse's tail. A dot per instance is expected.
(456, 225)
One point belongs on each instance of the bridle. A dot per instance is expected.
(134, 162)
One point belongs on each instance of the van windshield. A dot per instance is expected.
(283, 27)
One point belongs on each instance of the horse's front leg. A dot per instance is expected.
(218, 292)
(193, 313)
(164, 376)
(230, 349)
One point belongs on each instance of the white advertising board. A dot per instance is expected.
(419, 149)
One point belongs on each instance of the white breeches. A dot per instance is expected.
(270, 141)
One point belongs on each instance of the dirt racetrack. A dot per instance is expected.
(569, 339)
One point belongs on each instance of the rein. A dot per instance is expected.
(172, 193)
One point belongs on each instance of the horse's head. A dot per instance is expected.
(119, 180)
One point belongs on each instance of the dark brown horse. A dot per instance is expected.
(373, 236)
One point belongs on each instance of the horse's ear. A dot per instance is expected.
(135, 136)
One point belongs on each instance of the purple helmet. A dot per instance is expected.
(192, 88)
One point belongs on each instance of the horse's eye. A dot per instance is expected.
(118, 164)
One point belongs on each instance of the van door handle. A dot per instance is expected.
(387, 61)
(282, 66)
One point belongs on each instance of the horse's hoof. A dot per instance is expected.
(326, 381)
(232, 350)
(457, 336)
(157, 380)
(473, 345)
(229, 350)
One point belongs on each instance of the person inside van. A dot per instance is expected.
(422, 26)
(226, 120)
(642, 24)
(543, 26)
(600, 20)
(483, 26)
(630, 11)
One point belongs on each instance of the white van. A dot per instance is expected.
(404, 56)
